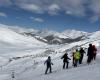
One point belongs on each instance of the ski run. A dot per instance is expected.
(22, 57)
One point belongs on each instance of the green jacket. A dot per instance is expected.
(77, 55)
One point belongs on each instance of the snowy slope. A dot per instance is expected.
(19, 29)
(95, 35)
(65, 34)
(74, 34)
(54, 37)
(9, 36)
(23, 57)
(29, 69)
(44, 33)
(13, 44)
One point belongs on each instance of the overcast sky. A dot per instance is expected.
(51, 14)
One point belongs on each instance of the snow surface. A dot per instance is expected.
(9, 36)
(74, 34)
(23, 57)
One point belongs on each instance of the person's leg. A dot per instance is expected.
(50, 69)
(63, 65)
(88, 60)
(67, 65)
(91, 58)
(76, 61)
(73, 61)
(75, 64)
(82, 60)
(94, 56)
(46, 70)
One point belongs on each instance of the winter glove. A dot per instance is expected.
(51, 63)
(69, 59)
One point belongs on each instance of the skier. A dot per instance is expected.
(65, 60)
(77, 57)
(48, 63)
(81, 55)
(90, 54)
(94, 52)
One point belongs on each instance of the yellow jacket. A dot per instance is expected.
(77, 55)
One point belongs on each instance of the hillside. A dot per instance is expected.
(22, 54)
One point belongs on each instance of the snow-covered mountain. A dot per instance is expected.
(74, 34)
(53, 37)
(10, 36)
(23, 52)
(23, 35)
(95, 35)
(19, 39)
(12, 43)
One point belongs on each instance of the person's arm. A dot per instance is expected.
(88, 52)
(95, 49)
(45, 62)
(51, 63)
(84, 52)
(62, 57)
(68, 58)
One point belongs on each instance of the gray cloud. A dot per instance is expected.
(72, 7)
(95, 7)
(52, 6)
(39, 20)
(3, 14)
(31, 7)
(94, 19)
(5, 2)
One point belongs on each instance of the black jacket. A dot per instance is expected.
(65, 58)
(82, 52)
(48, 62)
(90, 51)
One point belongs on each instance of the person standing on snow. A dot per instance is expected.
(65, 60)
(73, 57)
(77, 57)
(94, 52)
(48, 63)
(90, 54)
(81, 55)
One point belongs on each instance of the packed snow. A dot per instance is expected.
(22, 57)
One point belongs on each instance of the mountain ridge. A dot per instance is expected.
(47, 36)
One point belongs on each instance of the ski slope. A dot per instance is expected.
(22, 57)
(27, 69)
(9, 36)
(33, 68)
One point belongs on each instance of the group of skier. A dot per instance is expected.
(92, 52)
(77, 57)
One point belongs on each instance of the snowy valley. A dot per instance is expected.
(23, 52)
